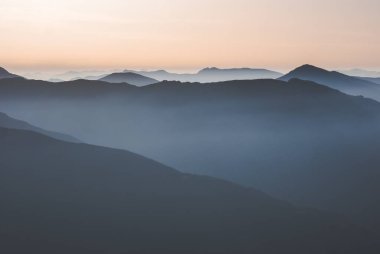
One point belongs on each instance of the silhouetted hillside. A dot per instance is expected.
(129, 78)
(4, 74)
(62, 197)
(297, 140)
(8, 122)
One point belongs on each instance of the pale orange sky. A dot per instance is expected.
(186, 35)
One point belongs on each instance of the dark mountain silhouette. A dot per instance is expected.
(60, 197)
(211, 75)
(4, 74)
(129, 78)
(296, 140)
(8, 122)
(336, 80)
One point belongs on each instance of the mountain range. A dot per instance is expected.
(211, 75)
(204, 75)
(297, 141)
(368, 87)
(336, 80)
(60, 197)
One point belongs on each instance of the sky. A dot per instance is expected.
(184, 35)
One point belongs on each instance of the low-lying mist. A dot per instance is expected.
(295, 140)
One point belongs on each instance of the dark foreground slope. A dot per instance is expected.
(59, 197)
(297, 140)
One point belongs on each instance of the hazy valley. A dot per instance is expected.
(299, 139)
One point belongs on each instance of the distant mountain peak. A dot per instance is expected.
(336, 80)
(309, 68)
(308, 72)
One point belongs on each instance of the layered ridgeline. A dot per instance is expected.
(347, 84)
(60, 197)
(205, 75)
(297, 140)
(211, 75)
